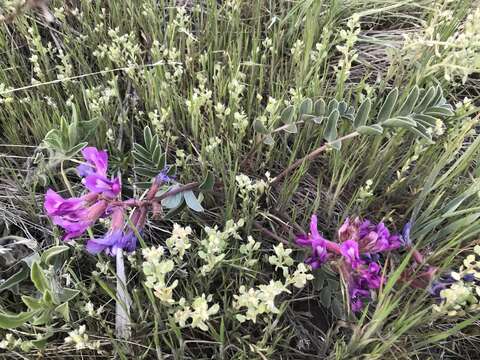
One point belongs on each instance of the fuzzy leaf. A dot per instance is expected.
(174, 201)
(268, 140)
(291, 128)
(399, 122)
(51, 253)
(306, 107)
(362, 113)
(15, 279)
(32, 303)
(287, 114)
(192, 201)
(332, 105)
(260, 127)
(388, 105)
(320, 107)
(410, 101)
(374, 129)
(38, 278)
(8, 321)
(147, 136)
(426, 99)
(331, 128)
(439, 111)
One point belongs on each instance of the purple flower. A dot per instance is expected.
(97, 162)
(100, 184)
(94, 172)
(117, 238)
(349, 230)
(55, 205)
(349, 250)
(314, 240)
(71, 214)
(377, 238)
(362, 282)
(405, 238)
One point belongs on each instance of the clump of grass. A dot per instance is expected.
(230, 90)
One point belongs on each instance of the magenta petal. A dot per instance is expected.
(97, 158)
(56, 205)
(349, 250)
(100, 184)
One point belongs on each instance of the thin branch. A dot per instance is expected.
(311, 156)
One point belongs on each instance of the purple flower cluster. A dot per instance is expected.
(75, 215)
(356, 255)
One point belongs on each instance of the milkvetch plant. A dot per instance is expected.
(102, 201)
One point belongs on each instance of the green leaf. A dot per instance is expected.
(331, 128)
(67, 294)
(399, 122)
(287, 114)
(76, 149)
(16, 278)
(439, 111)
(38, 278)
(388, 105)
(147, 136)
(342, 107)
(332, 105)
(320, 107)
(147, 172)
(410, 101)
(33, 303)
(318, 119)
(421, 134)
(426, 99)
(291, 128)
(208, 183)
(374, 129)
(306, 107)
(64, 310)
(426, 118)
(268, 140)
(337, 145)
(260, 127)
(50, 254)
(8, 321)
(174, 201)
(362, 114)
(192, 201)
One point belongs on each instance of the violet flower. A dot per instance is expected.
(94, 172)
(72, 214)
(362, 282)
(314, 240)
(349, 250)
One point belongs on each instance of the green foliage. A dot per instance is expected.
(214, 90)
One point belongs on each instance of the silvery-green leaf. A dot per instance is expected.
(410, 101)
(374, 129)
(287, 114)
(399, 122)
(268, 140)
(331, 127)
(192, 201)
(387, 107)
(362, 113)
(291, 128)
(320, 107)
(306, 107)
(259, 127)
(426, 99)
(173, 201)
